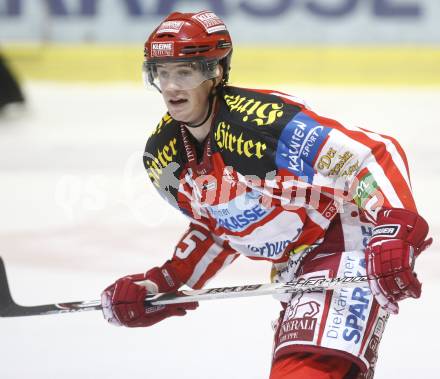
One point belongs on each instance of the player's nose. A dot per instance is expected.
(170, 87)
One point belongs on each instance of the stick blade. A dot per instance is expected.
(9, 308)
(6, 301)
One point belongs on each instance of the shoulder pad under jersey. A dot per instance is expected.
(248, 126)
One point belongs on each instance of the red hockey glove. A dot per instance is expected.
(397, 240)
(123, 301)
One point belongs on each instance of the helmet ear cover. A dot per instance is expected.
(226, 64)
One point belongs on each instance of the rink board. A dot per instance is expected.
(262, 64)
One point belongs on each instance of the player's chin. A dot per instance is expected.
(181, 112)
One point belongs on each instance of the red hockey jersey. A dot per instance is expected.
(270, 181)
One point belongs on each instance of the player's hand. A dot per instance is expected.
(123, 301)
(397, 240)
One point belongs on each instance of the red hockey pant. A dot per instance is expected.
(310, 366)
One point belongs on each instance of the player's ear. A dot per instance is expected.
(219, 77)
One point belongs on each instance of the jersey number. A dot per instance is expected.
(190, 241)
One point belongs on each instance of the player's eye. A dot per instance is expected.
(185, 73)
(163, 74)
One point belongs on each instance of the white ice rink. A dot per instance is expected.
(77, 212)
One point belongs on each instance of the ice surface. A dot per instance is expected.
(77, 212)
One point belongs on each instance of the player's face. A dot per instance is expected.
(187, 105)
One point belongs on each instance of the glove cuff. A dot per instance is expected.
(401, 224)
(165, 277)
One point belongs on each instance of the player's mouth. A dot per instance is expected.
(177, 102)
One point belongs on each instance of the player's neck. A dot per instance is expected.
(201, 132)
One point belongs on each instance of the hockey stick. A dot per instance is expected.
(8, 307)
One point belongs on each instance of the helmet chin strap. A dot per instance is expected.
(210, 107)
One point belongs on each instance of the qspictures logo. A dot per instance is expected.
(158, 162)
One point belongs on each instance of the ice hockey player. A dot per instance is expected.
(258, 173)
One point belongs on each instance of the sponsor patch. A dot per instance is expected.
(299, 144)
(343, 159)
(367, 195)
(386, 230)
(349, 309)
(253, 110)
(162, 49)
(239, 213)
(236, 143)
(273, 248)
(209, 21)
(366, 188)
(326, 159)
(165, 121)
(330, 211)
(350, 170)
(300, 321)
(170, 27)
(332, 163)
